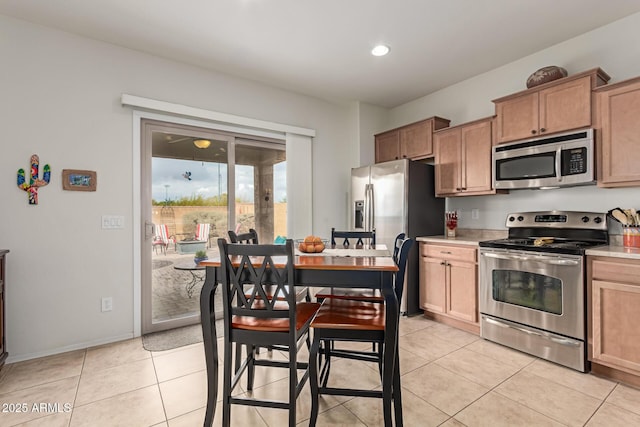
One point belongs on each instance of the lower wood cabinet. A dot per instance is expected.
(614, 313)
(449, 285)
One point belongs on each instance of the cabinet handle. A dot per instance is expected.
(443, 263)
(396, 157)
(464, 188)
(533, 132)
(543, 130)
(445, 252)
(458, 189)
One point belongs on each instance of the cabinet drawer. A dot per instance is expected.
(618, 271)
(448, 252)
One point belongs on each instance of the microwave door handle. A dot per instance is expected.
(559, 164)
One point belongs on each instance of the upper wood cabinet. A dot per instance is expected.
(618, 134)
(414, 141)
(552, 107)
(463, 159)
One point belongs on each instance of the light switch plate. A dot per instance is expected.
(111, 222)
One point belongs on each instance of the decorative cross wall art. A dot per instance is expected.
(34, 181)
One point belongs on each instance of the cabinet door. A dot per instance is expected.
(566, 106)
(448, 161)
(416, 140)
(462, 291)
(517, 118)
(432, 284)
(476, 157)
(388, 146)
(619, 110)
(616, 336)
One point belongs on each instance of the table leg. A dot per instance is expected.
(194, 281)
(207, 316)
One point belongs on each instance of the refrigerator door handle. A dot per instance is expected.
(372, 223)
(368, 207)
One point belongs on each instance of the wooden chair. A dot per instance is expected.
(360, 294)
(202, 233)
(353, 321)
(358, 238)
(261, 320)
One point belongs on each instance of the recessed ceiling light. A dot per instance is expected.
(380, 50)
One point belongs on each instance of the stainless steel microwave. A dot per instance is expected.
(561, 160)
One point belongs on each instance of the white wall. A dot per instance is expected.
(61, 100)
(615, 48)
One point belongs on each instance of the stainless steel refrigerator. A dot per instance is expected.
(398, 197)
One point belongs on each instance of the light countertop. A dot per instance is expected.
(469, 237)
(615, 251)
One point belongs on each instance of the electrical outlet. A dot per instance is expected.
(107, 304)
(475, 213)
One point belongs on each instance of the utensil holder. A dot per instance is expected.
(631, 237)
(450, 228)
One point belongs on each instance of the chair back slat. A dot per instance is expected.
(259, 266)
(358, 238)
(248, 238)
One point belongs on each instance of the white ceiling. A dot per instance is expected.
(321, 48)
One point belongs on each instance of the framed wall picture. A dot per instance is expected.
(79, 180)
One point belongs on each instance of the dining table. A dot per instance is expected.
(368, 267)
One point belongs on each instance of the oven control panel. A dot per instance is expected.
(558, 219)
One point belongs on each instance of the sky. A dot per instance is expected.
(208, 179)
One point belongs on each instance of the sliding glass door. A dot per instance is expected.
(196, 185)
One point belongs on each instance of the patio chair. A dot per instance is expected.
(162, 238)
(250, 237)
(262, 320)
(202, 233)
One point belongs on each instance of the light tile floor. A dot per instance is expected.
(449, 377)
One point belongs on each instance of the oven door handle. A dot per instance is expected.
(558, 340)
(511, 257)
(556, 261)
(543, 260)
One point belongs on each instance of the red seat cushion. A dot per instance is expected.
(304, 312)
(337, 313)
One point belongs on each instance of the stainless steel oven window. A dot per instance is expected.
(527, 289)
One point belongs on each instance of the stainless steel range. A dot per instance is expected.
(532, 284)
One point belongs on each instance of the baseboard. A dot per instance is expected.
(59, 350)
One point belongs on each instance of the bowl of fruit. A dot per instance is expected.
(311, 244)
